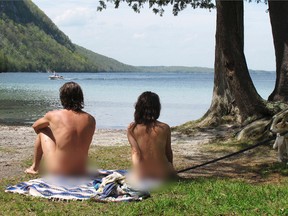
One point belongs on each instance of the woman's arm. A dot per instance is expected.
(135, 150)
(169, 153)
(132, 140)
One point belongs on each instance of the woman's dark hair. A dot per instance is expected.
(147, 109)
(71, 96)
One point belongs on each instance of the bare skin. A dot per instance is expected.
(151, 152)
(63, 138)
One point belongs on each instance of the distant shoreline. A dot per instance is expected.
(149, 69)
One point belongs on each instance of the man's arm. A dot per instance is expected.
(41, 123)
(169, 153)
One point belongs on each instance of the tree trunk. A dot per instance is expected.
(278, 11)
(234, 94)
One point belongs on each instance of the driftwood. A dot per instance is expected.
(280, 126)
(257, 130)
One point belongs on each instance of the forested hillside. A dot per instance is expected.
(103, 62)
(30, 41)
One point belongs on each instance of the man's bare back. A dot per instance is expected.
(64, 137)
(151, 151)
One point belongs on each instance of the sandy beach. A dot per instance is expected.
(16, 147)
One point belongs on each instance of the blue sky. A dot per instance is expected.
(148, 39)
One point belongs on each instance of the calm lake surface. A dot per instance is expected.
(110, 97)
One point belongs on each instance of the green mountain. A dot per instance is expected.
(30, 41)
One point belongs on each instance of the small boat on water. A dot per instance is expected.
(55, 76)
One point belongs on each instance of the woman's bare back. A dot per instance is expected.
(151, 150)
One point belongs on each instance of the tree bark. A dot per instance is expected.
(278, 11)
(234, 94)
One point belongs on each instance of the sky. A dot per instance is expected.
(147, 39)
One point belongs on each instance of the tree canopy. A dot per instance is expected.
(157, 6)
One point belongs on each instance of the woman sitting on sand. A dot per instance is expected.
(150, 141)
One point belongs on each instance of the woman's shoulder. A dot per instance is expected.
(163, 125)
(131, 126)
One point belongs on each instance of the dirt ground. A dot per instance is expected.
(16, 146)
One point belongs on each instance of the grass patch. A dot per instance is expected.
(110, 157)
(28, 162)
(197, 197)
(268, 169)
(226, 146)
(7, 150)
(187, 128)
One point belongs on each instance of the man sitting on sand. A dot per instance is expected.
(64, 136)
(150, 141)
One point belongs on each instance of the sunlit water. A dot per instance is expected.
(110, 97)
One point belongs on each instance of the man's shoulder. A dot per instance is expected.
(53, 113)
(90, 118)
(88, 115)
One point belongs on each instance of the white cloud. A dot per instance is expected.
(78, 16)
(138, 35)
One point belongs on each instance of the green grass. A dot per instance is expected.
(226, 146)
(7, 150)
(281, 168)
(198, 196)
(193, 197)
(187, 128)
(110, 157)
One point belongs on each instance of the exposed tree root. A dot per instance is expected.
(253, 128)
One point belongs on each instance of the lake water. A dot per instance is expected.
(110, 97)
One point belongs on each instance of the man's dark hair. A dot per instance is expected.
(71, 96)
(147, 109)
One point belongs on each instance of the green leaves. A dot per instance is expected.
(158, 6)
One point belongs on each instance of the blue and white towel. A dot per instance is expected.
(107, 186)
